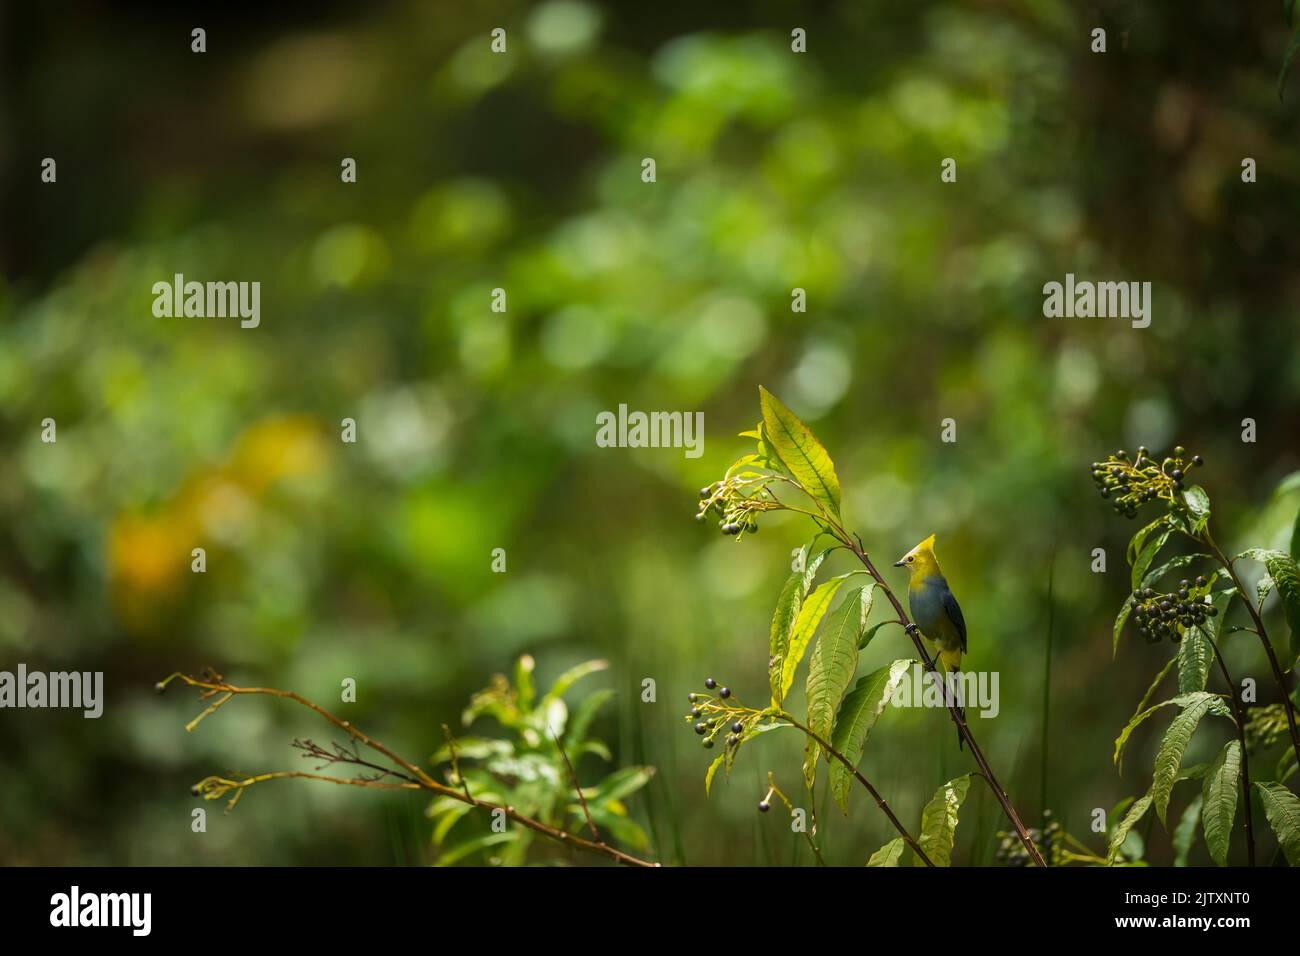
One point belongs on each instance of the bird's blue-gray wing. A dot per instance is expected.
(953, 610)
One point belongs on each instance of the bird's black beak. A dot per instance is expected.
(900, 562)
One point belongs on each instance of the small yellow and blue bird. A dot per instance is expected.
(934, 608)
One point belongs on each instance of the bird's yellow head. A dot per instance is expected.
(920, 561)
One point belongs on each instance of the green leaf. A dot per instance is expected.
(870, 632)
(1185, 832)
(939, 820)
(1170, 755)
(1180, 561)
(834, 659)
(1140, 536)
(571, 677)
(858, 714)
(1219, 793)
(1194, 655)
(788, 607)
(1287, 62)
(1146, 556)
(889, 854)
(1136, 812)
(1286, 578)
(459, 852)
(713, 769)
(1151, 691)
(810, 615)
(582, 718)
(1198, 505)
(1182, 700)
(1282, 808)
(619, 784)
(1120, 620)
(801, 453)
(524, 692)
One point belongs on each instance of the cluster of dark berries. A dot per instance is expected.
(1049, 839)
(1161, 615)
(737, 502)
(710, 717)
(1131, 484)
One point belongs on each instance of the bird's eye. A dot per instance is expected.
(910, 559)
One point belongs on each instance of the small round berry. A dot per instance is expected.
(710, 683)
(701, 728)
(1200, 580)
(706, 491)
(733, 740)
(737, 727)
(708, 744)
(1197, 460)
(1179, 451)
(195, 790)
(695, 711)
(764, 806)
(725, 692)
(1176, 474)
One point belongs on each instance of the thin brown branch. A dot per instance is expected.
(214, 685)
(875, 795)
(573, 775)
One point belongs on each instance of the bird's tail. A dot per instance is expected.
(952, 665)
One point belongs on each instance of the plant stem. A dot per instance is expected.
(880, 801)
(1240, 720)
(424, 781)
(1278, 675)
(914, 632)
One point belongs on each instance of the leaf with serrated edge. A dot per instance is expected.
(801, 452)
(939, 820)
(861, 709)
(830, 669)
(889, 854)
(1170, 755)
(1282, 809)
(1135, 813)
(1194, 656)
(1182, 700)
(811, 613)
(1219, 800)
(788, 606)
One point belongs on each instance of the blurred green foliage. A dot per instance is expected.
(522, 171)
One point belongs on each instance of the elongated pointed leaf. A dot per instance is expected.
(1140, 536)
(1170, 755)
(889, 854)
(834, 659)
(1173, 564)
(1219, 795)
(1185, 832)
(1282, 808)
(1216, 706)
(801, 453)
(814, 608)
(788, 606)
(1148, 554)
(1136, 811)
(1120, 620)
(1194, 655)
(713, 769)
(1286, 579)
(939, 820)
(858, 714)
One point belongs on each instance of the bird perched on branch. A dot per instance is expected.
(935, 610)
